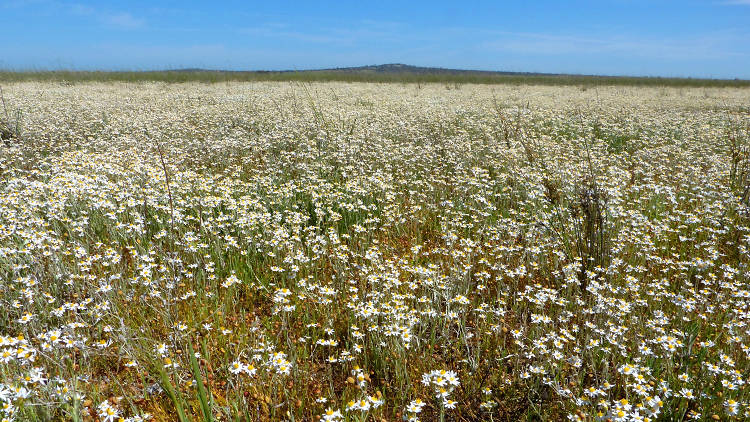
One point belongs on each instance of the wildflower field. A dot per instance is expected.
(272, 251)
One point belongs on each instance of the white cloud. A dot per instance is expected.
(123, 20)
(82, 10)
(349, 34)
(706, 46)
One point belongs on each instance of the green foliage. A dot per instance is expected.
(202, 397)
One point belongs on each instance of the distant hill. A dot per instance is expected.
(405, 68)
(388, 68)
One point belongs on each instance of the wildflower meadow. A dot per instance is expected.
(330, 251)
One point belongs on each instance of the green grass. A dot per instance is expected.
(451, 80)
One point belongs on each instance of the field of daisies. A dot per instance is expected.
(373, 252)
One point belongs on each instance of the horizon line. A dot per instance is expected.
(423, 70)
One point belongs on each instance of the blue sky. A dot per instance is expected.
(625, 37)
